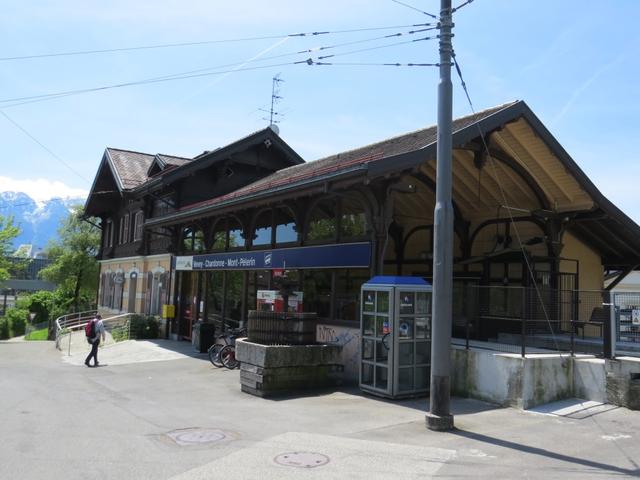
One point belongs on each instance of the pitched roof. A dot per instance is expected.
(130, 167)
(394, 146)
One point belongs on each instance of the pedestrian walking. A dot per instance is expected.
(94, 332)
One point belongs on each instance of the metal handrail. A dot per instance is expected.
(80, 322)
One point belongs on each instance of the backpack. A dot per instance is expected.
(90, 329)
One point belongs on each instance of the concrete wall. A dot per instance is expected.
(349, 339)
(510, 380)
(513, 381)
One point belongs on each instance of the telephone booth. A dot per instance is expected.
(395, 323)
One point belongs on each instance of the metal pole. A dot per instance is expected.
(439, 418)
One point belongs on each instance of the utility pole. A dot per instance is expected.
(439, 417)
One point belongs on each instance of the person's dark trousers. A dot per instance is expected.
(93, 353)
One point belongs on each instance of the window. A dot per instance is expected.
(137, 226)
(235, 234)
(317, 292)
(322, 221)
(353, 223)
(193, 240)
(124, 229)
(263, 229)
(108, 235)
(286, 230)
(157, 289)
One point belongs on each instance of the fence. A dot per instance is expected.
(529, 320)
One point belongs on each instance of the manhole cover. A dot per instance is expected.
(196, 436)
(302, 459)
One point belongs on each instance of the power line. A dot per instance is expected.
(204, 42)
(364, 64)
(17, 125)
(414, 8)
(460, 6)
(13, 102)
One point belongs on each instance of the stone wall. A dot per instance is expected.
(271, 370)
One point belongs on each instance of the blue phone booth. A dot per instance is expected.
(395, 354)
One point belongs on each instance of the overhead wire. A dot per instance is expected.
(205, 42)
(461, 5)
(505, 202)
(43, 146)
(17, 101)
(414, 8)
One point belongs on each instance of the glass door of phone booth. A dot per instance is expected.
(396, 336)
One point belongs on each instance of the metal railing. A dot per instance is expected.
(528, 320)
(118, 327)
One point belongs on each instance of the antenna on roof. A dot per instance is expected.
(275, 98)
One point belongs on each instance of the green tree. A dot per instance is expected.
(8, 231)
(74, 269)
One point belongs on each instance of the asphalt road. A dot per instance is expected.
(180, 417)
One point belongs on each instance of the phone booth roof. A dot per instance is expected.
(397, 280)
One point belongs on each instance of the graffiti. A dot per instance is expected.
(349, 339)
(325, 334)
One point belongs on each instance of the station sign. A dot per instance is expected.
(347, 255)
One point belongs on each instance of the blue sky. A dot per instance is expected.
(574, 62)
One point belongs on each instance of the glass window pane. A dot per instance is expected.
(405, 329)
(368, 325)
(262, 232)
(382, 326)
(233, 308)
(382, 354)
(405, 379)
(368, 301)
(367, 374)
(423, 302)
(423, 352)
(383, 302)
(286, 230)
(235, 236)
(367, 349)
(407, 302)
(322, 223)
(405, 354)
(347, 294)
(382, 378)
(353, 225)
(422, 378)
(317, 292)
(423, 327)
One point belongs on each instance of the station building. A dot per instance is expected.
(205, 234)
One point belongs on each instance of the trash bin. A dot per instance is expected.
(203, 336)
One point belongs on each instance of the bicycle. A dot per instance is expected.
(229, 339)
(228, 357)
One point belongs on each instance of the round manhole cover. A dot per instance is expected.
(196, 436)
(302, 459)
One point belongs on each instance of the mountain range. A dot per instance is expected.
(38, 221)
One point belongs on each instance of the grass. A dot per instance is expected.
(41, 334)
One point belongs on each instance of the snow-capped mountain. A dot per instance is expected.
(38, 221)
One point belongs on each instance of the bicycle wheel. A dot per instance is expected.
(214, 355)
(228, 357)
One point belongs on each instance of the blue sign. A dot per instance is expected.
(348, 255)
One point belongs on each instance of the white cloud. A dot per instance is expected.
(40, 189)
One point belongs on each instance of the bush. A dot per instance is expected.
(17, 319)
(144, 327)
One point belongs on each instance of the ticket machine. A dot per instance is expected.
(395, 323)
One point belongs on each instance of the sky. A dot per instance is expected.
(577, 72)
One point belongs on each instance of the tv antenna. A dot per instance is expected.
(275, 98)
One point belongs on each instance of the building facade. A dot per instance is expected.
(206, 234)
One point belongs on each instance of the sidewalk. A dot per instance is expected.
(182, 418)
